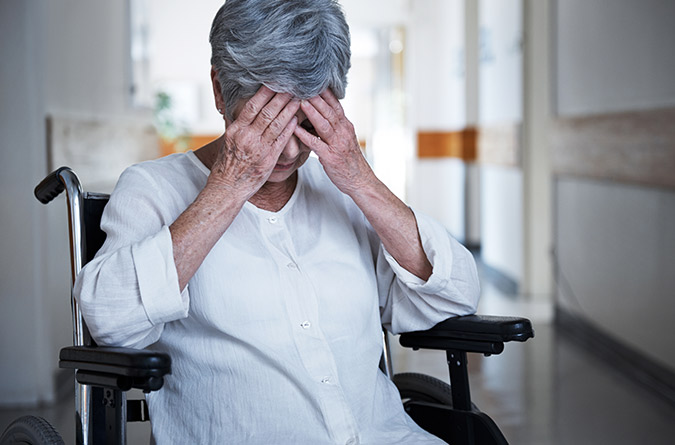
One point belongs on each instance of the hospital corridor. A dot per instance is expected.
(540, 134)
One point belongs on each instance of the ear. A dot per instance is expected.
(217, 92)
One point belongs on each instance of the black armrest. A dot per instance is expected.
(113, 367)
(472, 333)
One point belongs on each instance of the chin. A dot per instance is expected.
(281, 175)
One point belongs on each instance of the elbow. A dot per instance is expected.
(118, 328)
(102, 327)
(473, 298)
(463, 281)
(109, 321)
(106, 334)
(469, 290)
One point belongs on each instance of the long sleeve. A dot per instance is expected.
(409, 303)
(130, 289)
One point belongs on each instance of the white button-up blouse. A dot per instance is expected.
(277, 337)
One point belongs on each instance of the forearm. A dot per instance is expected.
(396, 226)
(199, 227)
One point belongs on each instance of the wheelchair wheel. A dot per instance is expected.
(30, 430)
(424, 388)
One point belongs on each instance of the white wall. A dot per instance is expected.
(85, 51)
(615, 240)
(375, 14)
(501, 61)
(614, 55)
(435, 65)
(87, 82)
(437, 102)
(500, 104)
(438, 191)
(180, 58)
(616, 254)
(26, 362)
(502, 222)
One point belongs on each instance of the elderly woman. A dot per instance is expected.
(266, 273)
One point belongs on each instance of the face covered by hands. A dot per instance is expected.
(271, 137)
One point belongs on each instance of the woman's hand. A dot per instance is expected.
(340, 154)
(253, 142)
(335, 143)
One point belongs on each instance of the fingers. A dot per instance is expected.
(325, 113)
(268, 113)
(254, 105)
(280, 122)
(312, 109)
(329, 106)
(313, 142)
(331, 100)
(286, 134)
(271, 111)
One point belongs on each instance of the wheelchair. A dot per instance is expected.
(103, 375)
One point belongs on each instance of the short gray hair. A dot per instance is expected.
(294, 46)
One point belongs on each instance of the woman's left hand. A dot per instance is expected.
(335, 143)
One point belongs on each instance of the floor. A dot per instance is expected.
(545, 391)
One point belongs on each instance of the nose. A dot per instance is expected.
(292, 149)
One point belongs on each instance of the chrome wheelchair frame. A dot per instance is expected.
(103, 375)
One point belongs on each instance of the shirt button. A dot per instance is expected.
(325, 380)
(352, 441)
(273, 219)
(292, 266)
(306, 325)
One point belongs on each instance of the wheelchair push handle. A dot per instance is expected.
(51, 186)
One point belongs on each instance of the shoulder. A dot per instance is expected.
(166, 184)
(159, 177)
(168, 169)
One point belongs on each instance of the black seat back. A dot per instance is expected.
(92, 210)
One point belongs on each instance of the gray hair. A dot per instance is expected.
(291, 46)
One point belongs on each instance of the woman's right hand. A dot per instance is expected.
(253, 143)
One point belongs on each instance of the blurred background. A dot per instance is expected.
(540, 132)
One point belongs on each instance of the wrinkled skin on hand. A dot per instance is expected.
(335, 143)
(254, 141)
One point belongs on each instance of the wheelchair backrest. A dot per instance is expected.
(92, 210)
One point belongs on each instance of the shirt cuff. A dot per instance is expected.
(158, 280)
(438, 249)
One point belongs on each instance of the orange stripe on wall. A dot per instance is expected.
(192, 142)
(461, 144)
